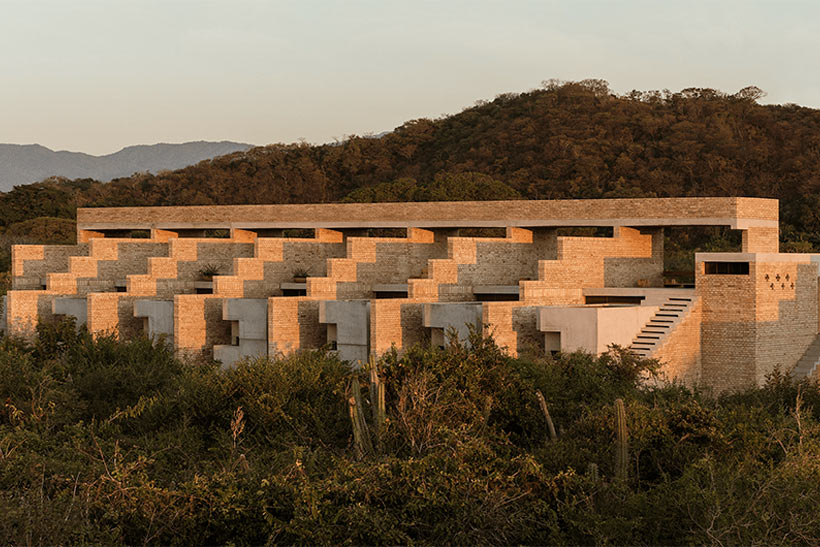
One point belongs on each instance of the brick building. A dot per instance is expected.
(233, 281)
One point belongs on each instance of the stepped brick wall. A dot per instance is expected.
(624, 260)
(276, 260)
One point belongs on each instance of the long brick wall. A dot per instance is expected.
(739, 213)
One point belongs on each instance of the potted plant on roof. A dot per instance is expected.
(300, 275)
(208, 272)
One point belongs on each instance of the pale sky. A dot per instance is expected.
(97, 75)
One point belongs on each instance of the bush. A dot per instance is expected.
(108, 441)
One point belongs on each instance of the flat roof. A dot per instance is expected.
(734, 212)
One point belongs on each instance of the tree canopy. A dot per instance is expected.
(565, 140)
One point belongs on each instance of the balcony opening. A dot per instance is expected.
(726, 268)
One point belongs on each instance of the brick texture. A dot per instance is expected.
(756, 322)
(740, 329)
(652, 211)
(620, 261)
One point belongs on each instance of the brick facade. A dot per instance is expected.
(741, 327)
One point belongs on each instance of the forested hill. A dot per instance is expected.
(566, 140)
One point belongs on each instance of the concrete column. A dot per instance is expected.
(349, 326)
(158, 316)
(71, 307)
(249, 332)
(441, 317)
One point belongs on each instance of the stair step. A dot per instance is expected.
(651, 336)
(809, 361)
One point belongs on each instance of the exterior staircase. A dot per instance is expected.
(654, 333)
(807, 365)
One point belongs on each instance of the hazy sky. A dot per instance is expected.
(97, 75)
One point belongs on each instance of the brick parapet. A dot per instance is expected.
(31, 263)
(370, 261)
(293, 324)
(198, 324)
(475, 261)
(396, 322)
(108, 261)
(187, 257)
(761, 240)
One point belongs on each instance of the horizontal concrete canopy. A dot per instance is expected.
(734, 212)
(757, 257)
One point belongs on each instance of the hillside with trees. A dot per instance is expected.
(116, 442)
(565, 140)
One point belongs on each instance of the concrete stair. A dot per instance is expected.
(807, 364)
(662, 324)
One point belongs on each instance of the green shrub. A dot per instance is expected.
(108, 441)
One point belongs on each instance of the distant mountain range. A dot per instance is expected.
(23, 164)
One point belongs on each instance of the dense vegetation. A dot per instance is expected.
(566, 140)
(117, 442)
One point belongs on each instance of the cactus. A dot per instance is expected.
(621, 442)
(377, 399)
(361, 435)
(361, 431)
(552, 435)
(592, 472)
